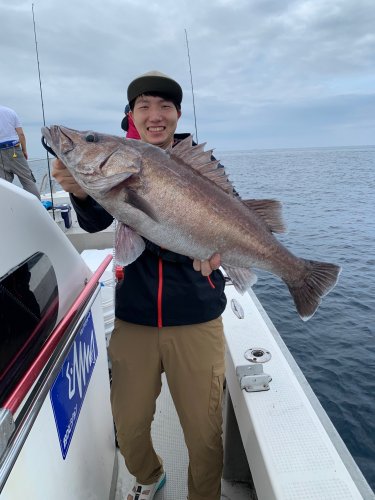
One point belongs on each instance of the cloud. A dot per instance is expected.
(266, 73)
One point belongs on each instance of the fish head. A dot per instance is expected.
(98, 162)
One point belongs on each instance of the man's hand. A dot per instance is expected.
(207, 266)
(66, 180)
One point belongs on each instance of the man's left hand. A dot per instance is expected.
(207, 266)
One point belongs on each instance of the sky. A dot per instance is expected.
(266, 74)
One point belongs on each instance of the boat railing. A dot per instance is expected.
(43, 188)
(44, 183)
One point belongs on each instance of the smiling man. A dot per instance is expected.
(168, 319)
(155, 112)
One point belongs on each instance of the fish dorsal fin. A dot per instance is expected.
(202, 161)
(270, 213)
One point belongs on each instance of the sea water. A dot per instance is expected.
(328, 197)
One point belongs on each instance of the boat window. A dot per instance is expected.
(28, 311)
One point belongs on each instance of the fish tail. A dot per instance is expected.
(318, 279)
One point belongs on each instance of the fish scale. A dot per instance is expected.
(182, 200)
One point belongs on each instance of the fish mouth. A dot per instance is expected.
(46, 134)
(56, 138)
(46, 140)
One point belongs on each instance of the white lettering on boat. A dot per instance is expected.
(70, 425)
(84, 356)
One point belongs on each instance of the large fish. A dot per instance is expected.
(183, 201)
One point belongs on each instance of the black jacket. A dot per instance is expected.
(161, 287)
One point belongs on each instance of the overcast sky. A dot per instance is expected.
(266, 73)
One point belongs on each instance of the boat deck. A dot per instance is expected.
(80, 239)
(169, 443)
(166, 430)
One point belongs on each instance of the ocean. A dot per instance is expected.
(328, 197)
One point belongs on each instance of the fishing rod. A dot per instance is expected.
(44, 119)
(192, 87)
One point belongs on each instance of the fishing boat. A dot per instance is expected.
(57, 438)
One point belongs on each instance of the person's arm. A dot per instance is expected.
(22, 139)
(91, 216)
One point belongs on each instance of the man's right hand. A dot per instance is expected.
(66, 180)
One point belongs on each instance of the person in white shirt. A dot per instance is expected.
(13, 152)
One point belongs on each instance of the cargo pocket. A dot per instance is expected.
(216, 394)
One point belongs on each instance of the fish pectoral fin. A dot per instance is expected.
(136, 201)
(242, 278)
(270, 212)
(128, 245)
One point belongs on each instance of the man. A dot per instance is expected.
(167, 319)
(13, 152)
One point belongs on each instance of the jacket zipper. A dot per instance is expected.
(160, 292)
(210, 282)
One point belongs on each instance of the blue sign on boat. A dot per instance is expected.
(69, 389)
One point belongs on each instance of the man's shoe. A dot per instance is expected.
(145, 491)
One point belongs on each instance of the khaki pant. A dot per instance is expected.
(13, 162)
(192, 358)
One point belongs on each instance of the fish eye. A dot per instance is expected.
(91, 137)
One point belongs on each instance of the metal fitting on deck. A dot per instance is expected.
(251, 377)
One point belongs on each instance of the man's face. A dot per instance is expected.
(155, 119)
